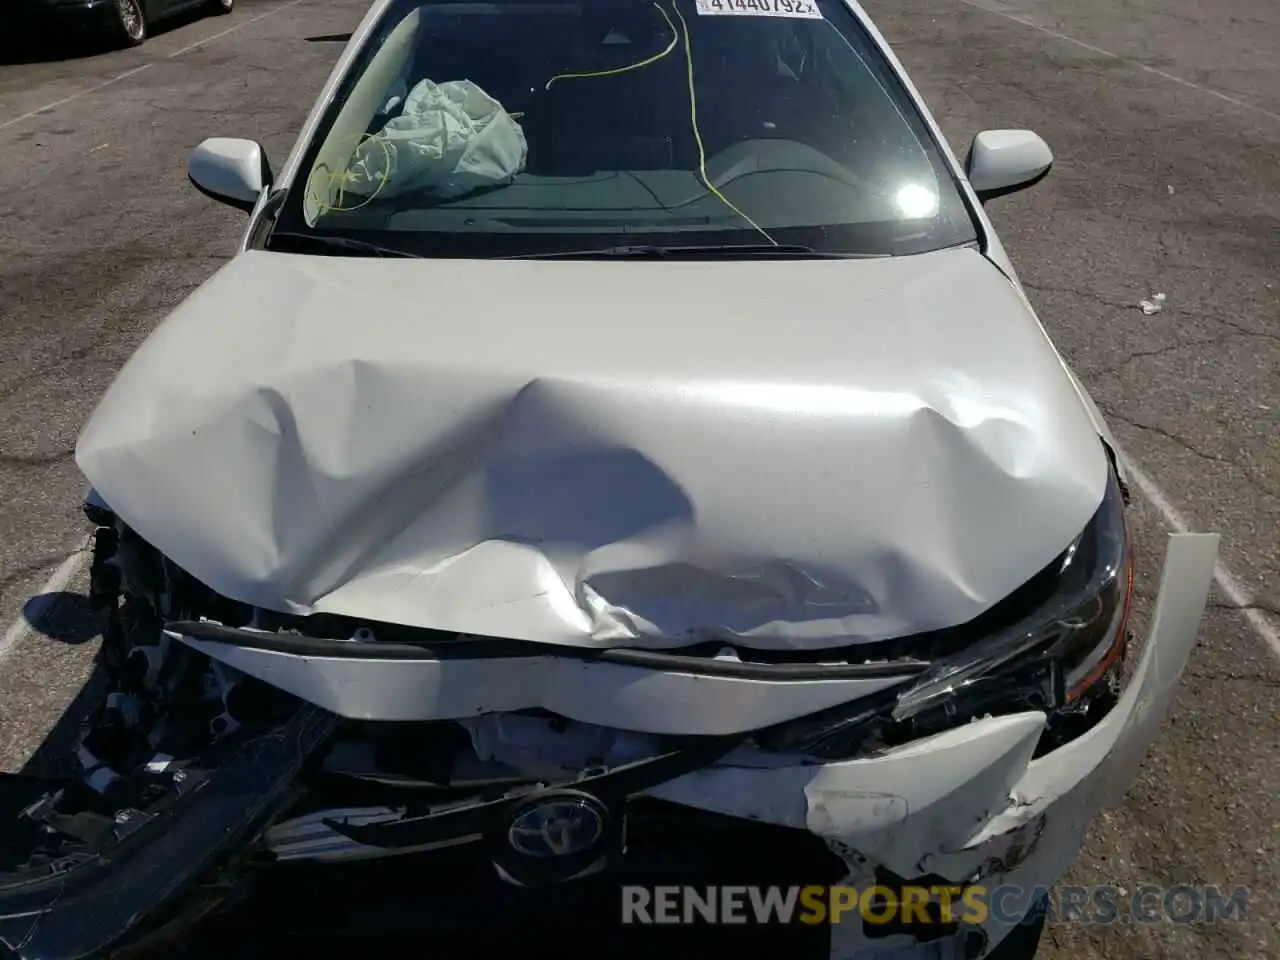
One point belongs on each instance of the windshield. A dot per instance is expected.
(523, 128)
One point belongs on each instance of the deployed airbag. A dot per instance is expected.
(450, 138)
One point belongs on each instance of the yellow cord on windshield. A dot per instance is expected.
(341, 179)
(675, 38)
(697, 134)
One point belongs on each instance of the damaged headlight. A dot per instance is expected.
(1077, 636)
(1057, 658)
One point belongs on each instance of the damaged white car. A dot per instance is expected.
(620, 429)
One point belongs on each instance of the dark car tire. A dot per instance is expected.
(130, 26)
(221, 7)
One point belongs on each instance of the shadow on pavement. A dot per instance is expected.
(588, 935)
(54, 757)
(63, 616)
(59, 41)
(16, 50)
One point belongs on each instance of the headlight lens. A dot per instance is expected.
(1051, 659)
(1079, 633)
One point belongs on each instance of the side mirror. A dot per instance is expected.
(234, 172)
(1001, 162)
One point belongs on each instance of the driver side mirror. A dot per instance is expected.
(1001, 162)
(231, 171)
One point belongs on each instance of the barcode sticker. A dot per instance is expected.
(798, 9)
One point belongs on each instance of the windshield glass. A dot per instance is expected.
(519, 127)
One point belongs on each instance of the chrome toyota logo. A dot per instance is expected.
(556, 827)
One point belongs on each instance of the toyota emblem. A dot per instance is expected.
(557, 827)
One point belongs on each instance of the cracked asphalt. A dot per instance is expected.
(1164, 116)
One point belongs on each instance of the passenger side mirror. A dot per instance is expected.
(231, 171)
(1001, 162)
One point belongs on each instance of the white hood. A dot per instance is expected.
(786, 453)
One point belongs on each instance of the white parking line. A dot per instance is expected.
(1227, 581)
(137, 70)
(65, 573)
(1001, 9)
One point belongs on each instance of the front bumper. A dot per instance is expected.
(971, 806)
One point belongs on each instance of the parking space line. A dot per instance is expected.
(137, 70)
(232, 29)
(1227, 581)
(1000, 9)
(75, 96)
(57, 581)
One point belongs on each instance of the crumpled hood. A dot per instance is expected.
(789, 453)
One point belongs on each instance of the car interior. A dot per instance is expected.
(601, 92)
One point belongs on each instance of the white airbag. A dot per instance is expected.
(450, 138)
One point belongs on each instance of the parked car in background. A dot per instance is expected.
(124, 23)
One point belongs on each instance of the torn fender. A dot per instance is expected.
(949, 803)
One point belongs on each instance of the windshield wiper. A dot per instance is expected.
(726, 251)
(325, 241)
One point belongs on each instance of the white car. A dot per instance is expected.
(620, 413)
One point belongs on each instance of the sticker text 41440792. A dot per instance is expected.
(801, 9)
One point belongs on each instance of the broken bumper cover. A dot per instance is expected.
(80, 909)
(972, 805)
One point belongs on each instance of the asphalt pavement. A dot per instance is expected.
(1164, 116)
